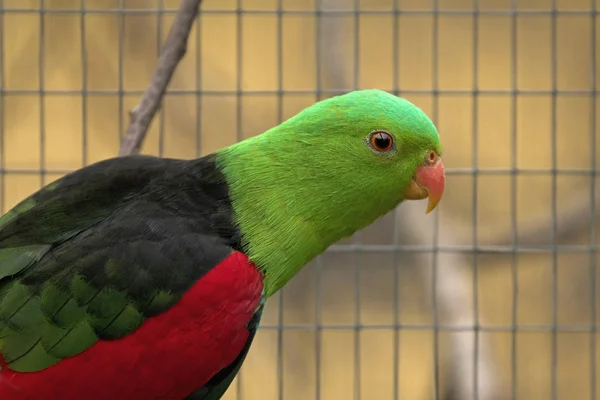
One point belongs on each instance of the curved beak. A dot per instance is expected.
(428, 182)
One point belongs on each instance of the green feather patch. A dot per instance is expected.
(20, 208)
(37, 358)
(73, 341)
(15, 260)
(111, 313)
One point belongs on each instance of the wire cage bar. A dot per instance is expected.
(492, 297)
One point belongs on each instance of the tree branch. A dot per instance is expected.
(538, 230)
(453, 295)
(172, 52)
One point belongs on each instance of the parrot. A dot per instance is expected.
(145, 277)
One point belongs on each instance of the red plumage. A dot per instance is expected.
(168, 357)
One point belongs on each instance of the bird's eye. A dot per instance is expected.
(381, 141)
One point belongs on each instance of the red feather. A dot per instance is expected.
(168, 357)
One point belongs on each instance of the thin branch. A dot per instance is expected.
(172, 52)
(453, 295)
(538, 229)
(332, 47)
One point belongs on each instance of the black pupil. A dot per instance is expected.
(382, 141)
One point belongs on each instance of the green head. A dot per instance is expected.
(327, 172)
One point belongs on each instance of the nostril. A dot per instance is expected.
(431, 157)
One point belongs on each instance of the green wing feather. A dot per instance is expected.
(23, 322)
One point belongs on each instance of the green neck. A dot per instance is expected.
(284, 203)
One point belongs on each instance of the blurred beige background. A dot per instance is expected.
(61, 132)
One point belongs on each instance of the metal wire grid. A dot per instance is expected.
(514, 249)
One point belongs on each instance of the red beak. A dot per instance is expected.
(429, 181)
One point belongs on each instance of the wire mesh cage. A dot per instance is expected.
(492, 297)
